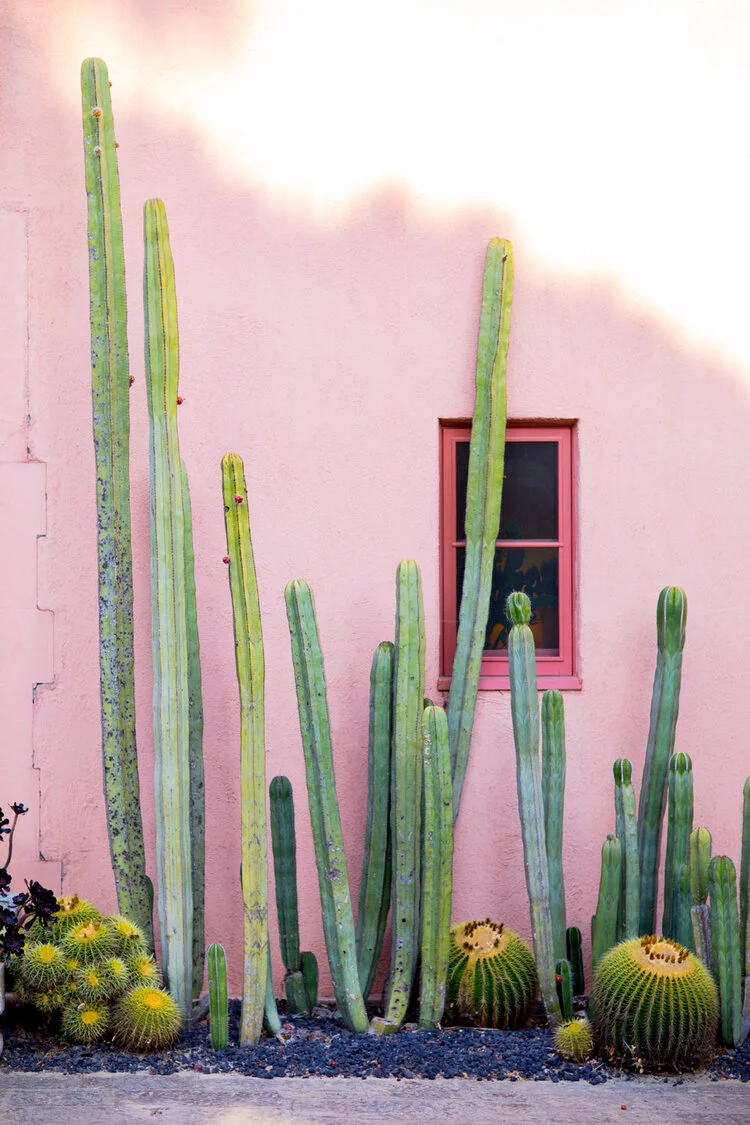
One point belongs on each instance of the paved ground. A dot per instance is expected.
(194, 1099)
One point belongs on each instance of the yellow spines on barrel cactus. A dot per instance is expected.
(492, 979)
(574, 1040)
(654, 1004)
(250, 664)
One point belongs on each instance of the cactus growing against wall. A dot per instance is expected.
(250, 663)
(483, 496)
(553, 794)
(525, 714)
(605, 920)
(437, 866)
(111, 419)
(333, 879)
(284, 844)
(492, 978)
(671, 618)
(725, 936)
(169, 613)
(675, 920)
(375, 884)
(627, 833)
(217, 996)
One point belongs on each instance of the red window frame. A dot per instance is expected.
(553, 671)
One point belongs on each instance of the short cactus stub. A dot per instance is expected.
(654, 1004)
(492, 979)
(574, 1040)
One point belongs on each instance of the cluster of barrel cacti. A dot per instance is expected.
(93, 974)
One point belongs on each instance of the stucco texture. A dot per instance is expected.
(331, 184)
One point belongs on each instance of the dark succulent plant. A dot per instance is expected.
(19, 911)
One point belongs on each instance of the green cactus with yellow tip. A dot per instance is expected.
(492, 980)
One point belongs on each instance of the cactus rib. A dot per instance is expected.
(312, 703)
(483, 497)
(168, 610)
(110, 383)
(249, 659)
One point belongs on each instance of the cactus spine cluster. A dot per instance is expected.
(483, 496)
(437, 866)
(725, 935)
(169, 613)
(312, 702)
(111, 416)
(492, 977)
(627, 833)
(525, 714)
(249, 660)
(217, 996)
(676, 918)
(284, 844)
(671, 617)
(375, 884)
(406, 788)
(654, 1004)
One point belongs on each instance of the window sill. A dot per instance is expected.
(502, 683)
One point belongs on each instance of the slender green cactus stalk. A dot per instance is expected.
(574, 950)
(271, 1021)
(110, 381)
(699, 850)
(525, 714)
(309, 965)
(217, 996)
(250, 663)
(483, 496)
(169, 629)
(336, 903)
(700, 918)
(627, 834)
(195, 741)
(284, 846)
(745, 912)
(564, 981)
(553, 793)
(725, 934)
(406, 787)
(671, 617)
(682, 923)
(375, 884)
(679, 827)
(437, 870)
(605, 926)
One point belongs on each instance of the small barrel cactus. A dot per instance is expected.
(574, 1040)
(492, 977)
(654, 1004)
(147, 1019)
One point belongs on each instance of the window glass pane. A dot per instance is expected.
(529, 504)
(533, 570)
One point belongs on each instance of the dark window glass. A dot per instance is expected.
(529, 508)
(535, 571)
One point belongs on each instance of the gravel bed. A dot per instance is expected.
(321, 1046)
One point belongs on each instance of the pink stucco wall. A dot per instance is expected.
(323, 337)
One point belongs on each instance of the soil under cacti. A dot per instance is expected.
(321, 1046)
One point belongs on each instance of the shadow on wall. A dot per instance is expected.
(325, 353)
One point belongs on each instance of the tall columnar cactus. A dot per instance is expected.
(406, 787)
(605, 920)
(336, 903)
(525, 713)
(627, 833)
(699, 852)
(483, 496)
(679, 827)
(195, 743)
(553, 793)
(169, 617)
(745, 911)
(722, 892)
(574, 955)
(671, 618)
(110, 381)
(437, 866)
(249, 659)
(375, 884)
(217, 996)
(284, 843)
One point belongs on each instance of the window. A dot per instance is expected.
(534, 551)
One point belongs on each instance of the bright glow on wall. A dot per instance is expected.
(610, 135)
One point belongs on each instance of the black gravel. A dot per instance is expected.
(321, 1046)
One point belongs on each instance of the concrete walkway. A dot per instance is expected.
(194, 1099)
